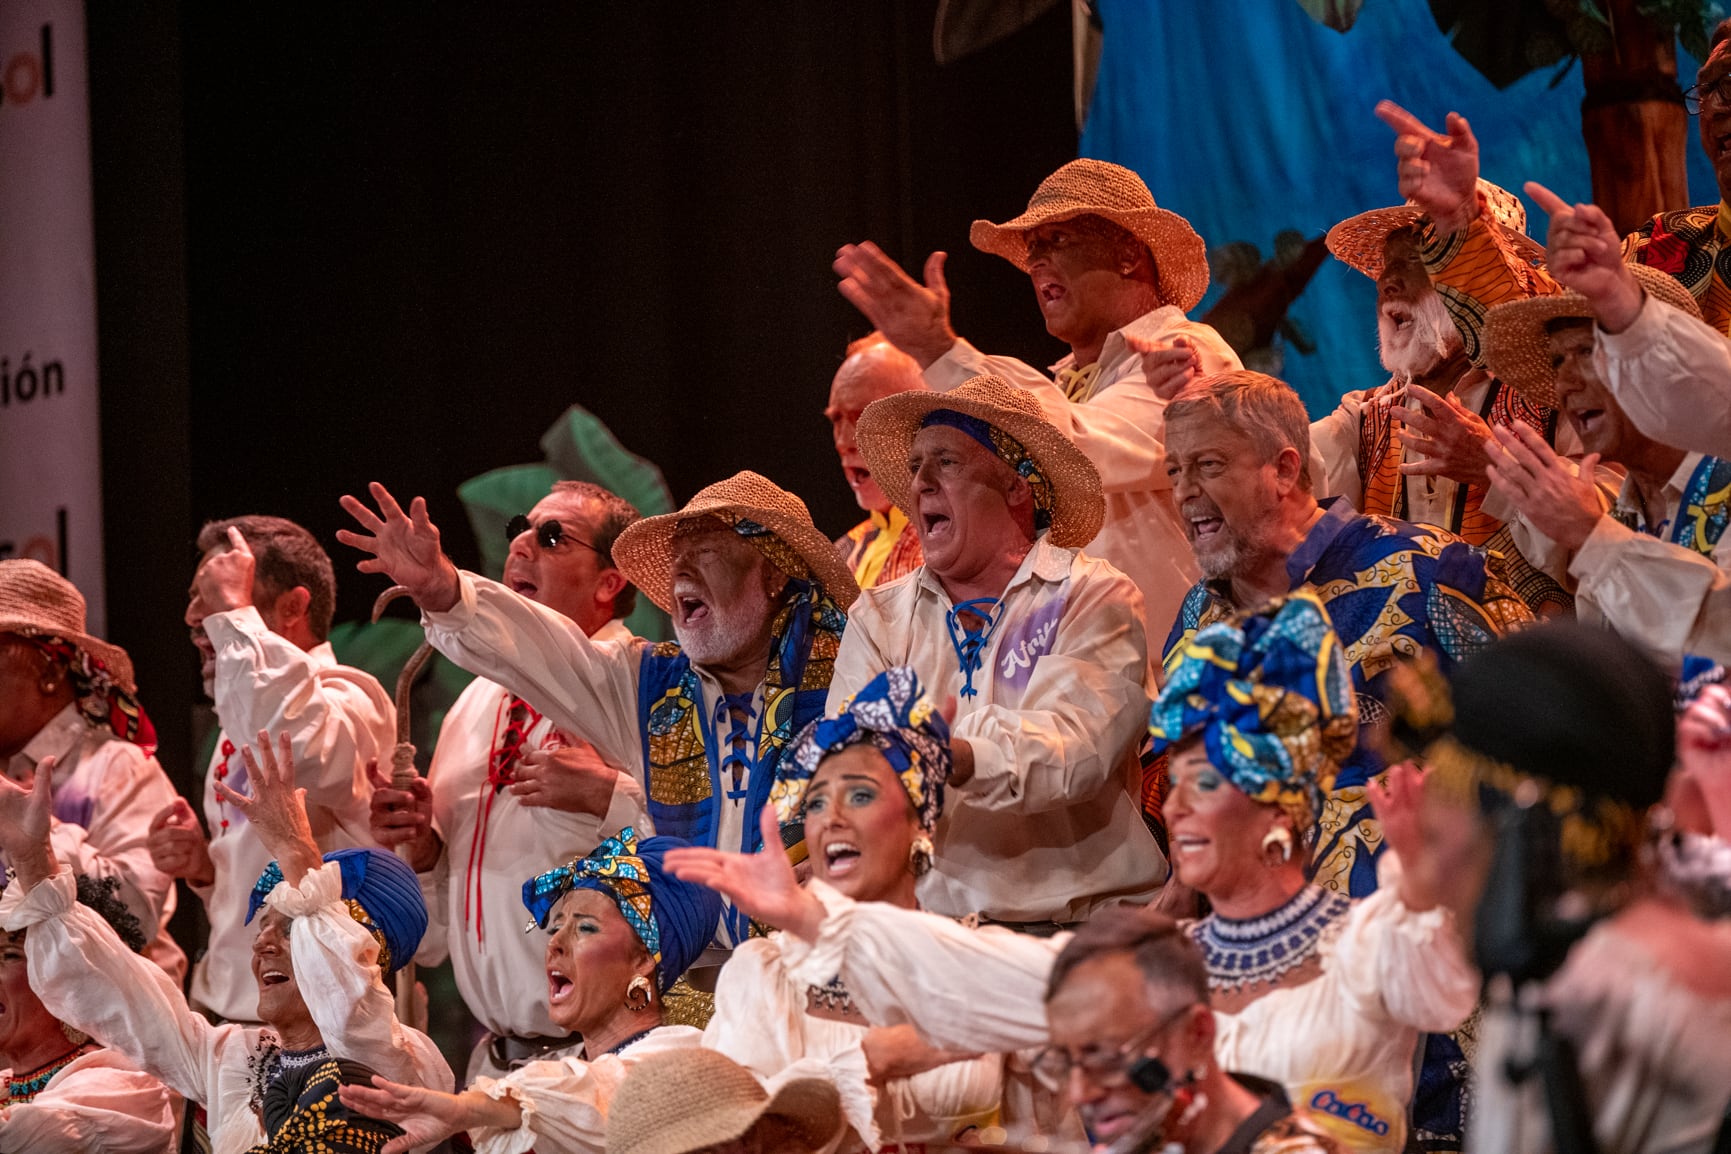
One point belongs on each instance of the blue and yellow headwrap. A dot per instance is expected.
(1007, 449)
(381, 894)
(894, 715)
(1273, 700)
(674, 919)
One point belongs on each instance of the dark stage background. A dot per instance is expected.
(368, 243)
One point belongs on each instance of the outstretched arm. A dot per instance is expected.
(403, 546)
(428, 1116)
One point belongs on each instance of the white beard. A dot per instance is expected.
(1426, 342)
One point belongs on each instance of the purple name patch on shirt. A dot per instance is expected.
(73, 806)
(1027, 641)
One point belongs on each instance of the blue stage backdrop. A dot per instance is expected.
(1252, 119)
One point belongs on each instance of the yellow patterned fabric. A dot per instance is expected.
(881, 549)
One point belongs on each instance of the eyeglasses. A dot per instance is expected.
(1716, 91)
(1105, 1068)
(548, 534)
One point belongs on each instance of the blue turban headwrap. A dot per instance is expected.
(894, 715)
(1007, 449)
(674, 919)
(381, 893)
(1273, 700)
(1698, 673)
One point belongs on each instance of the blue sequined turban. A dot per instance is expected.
(381, 893)
(894, 715)
(674, 919)
(1271, 697)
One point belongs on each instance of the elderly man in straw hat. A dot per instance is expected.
(758, 598)
(507, 792)
(260, 609)
(70, 696)
(1652, 566)
(1240, 449)
(1413, 448)
(1113, 274)
(882, 547)
(1042, 646)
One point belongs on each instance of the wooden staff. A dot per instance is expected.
(403, 775)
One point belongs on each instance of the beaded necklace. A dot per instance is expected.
(1265, 949)
(24, 1089)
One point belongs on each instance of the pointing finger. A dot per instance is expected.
(1545, 198)
(1399, 119)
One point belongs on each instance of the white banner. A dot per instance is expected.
(50, 444)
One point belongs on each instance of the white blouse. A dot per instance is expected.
(565, 1102)
(761, 1023)
(99, 1104)
(88, 979)
(1346, 1038)
(1655, 1056)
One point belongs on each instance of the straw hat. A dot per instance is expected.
(1358, 240)
(886, 430)
(34, 600)
(1096, 188)
(682, 1100)
(644, 550)
(1518, 349)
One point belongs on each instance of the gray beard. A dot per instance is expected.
(1433, 339)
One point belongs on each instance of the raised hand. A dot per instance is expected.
(1704, 754)
(1558, 500)
(1584, 253)
(427, 1116)
(26, 815)
(404, 546)
(914, 317)
(224, 580)
(762, 883)
(1167, 365)
(1451, 437)
(572, 780)
(1437, 171)
(404, 818)
(276, 809)
(1398, 802)
(178, 846)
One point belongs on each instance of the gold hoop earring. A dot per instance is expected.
(74, 1035)
(637, 995)
(1280, 837)
(920, 855)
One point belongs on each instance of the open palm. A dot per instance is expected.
(762, 884)
(404, 546)
(426, 1116)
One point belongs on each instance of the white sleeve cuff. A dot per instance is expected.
(50, 898)
(318, 889)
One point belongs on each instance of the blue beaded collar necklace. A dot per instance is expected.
(1265, 949)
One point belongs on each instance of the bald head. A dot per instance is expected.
(872, 370)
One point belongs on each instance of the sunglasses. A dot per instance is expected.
(548, 534)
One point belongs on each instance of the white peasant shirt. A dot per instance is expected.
(99, 1104)
(88, 979)
(761, 1023)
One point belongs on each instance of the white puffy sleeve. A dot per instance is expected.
(759, 1022)
(565, 1103)
(1403, 966)
(336, 965)
(100, 1104)
(89, 979)
(927, 971)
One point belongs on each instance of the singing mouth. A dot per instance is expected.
(840, 858)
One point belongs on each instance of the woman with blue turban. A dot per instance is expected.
(622, 930)
(331, 929)
(1323, 994)
(865, 788)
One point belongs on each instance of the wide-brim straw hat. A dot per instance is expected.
(1517, 346)
(35, 600)
(1096, 188)
(1358, 240)
(644, 551)
(684, 1100)
(886, 431)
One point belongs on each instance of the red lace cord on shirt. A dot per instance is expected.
(227, 751)
(502, 759)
